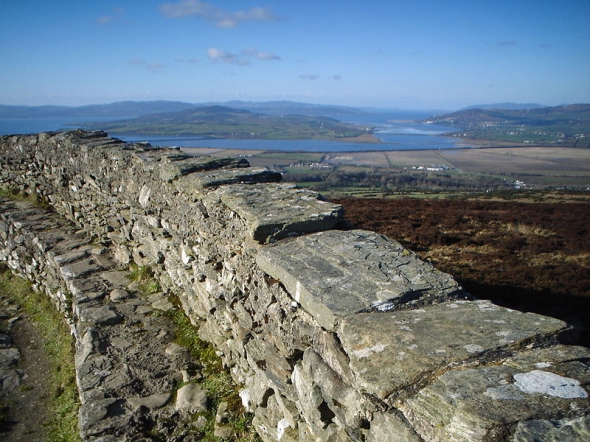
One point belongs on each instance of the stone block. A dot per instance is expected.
(275, 211)
(396, 351)
(182, 165)
(335, 274)
(197, 182)
(486, 403)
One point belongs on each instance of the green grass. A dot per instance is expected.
(143, 276)
(15, 195)
(63, 402)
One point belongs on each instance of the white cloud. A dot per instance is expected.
(104, 20)
(220, 17)
(260, 55)
(218, 55)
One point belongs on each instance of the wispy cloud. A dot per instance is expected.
(507, 43)
(217, 55)
(152, 66)
(254, 53)
(104, 20)
(219, 17)
(312, 77)
(545, 46)
(186, 60)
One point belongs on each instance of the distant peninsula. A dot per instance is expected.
(564, 126)
(210, 122)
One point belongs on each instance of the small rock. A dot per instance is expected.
(191, 399)
(100, 316)
(144, 309)
(174, 349)
(9, 357)
(119, 295)
(222, 417)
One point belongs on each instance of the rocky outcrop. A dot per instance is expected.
(342, 336)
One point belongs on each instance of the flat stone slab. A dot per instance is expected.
(274, 211)
(393, 352)
(335, 274)
(537, 389)
(249, 175)
(180, 164)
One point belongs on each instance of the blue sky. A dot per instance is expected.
(413, 54)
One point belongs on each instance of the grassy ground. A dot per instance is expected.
(62, 402)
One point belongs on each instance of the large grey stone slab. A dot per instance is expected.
(487, 403)
(274, 211)
(393, 353)
(181, 164)
(336, 274)
(249, 175)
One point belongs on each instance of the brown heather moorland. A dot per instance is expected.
(529, 256)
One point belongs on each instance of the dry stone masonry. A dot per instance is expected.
(334, 335)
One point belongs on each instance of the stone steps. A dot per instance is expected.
(128, 367)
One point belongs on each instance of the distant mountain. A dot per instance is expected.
(114, 110)
(139, 108)
(513, 106)
(546, 126)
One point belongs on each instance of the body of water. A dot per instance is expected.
(396, 130)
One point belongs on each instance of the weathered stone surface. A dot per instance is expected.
(191, 398)
(275, 211)
(104, 315)
(566, 430)
(394, 351)
(482, 404)
(183, 164)
(154, 401)
(196, 183)
(9, 357)
(389, 427)
(336, 274)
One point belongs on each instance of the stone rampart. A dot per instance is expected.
(334, 335)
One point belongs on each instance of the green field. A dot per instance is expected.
(224, 122)
(432, 172)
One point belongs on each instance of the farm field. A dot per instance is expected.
(526, 255)
(389, 173)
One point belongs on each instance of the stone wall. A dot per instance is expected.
(334, 335)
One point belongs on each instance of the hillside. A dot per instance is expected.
(225, 122)
(567, 126)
